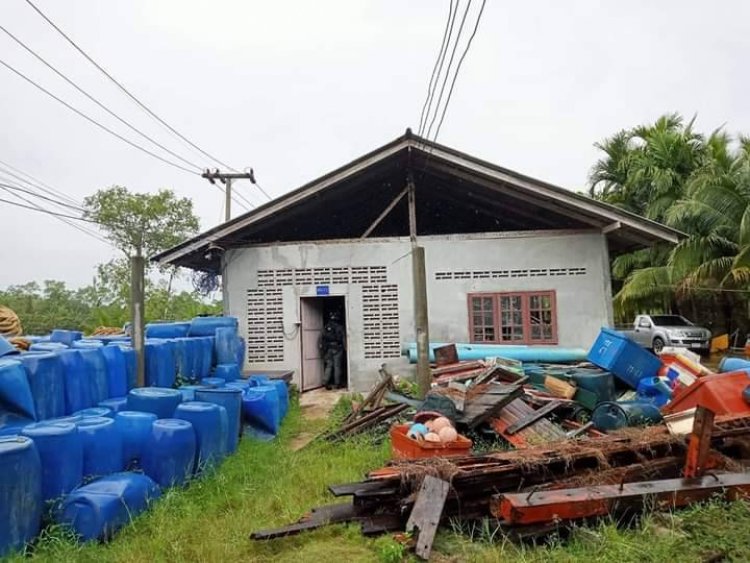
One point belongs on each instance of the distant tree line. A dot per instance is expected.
(700, 185)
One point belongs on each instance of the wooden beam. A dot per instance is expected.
(385, 212)
(427, 512)
(532, 418)
(611, 227)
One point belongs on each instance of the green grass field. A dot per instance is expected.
(266, 484)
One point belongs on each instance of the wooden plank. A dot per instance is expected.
(486, 404)
(426, 514)
(530, 419)
(320, 517)
(700, 442)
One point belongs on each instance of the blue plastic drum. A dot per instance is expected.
(47, 383)
(209, 423)
(15, 392)
(20, 493)
(6, 348)
(158, 400)
(99, 509)
(61, 453)
(206, 326)
(240, 352)
(213, 382)
(231, 400)
(131, 368)
(102, 446)
(260, 408)
(170, 452)
(225, 345)
(283, 393)
(188, 392)
(66, 337)
(115, 404)
(206, 356)
(239, 384)
(227, 372)
(160, 363)
(134, 428)
(47, 347)
(167, 330)
(615, 415)
(94, 412)
(117, 375)
(77, 381)
(96, 367)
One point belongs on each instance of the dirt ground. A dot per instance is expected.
(315, 405)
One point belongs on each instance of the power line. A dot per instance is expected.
(458, 68)
(38, 184)
(434, 68)
(56, 202)
(95, 122)
(39, 208)
(97, 102)
(450, 63)
(440, 68)
(125, 90)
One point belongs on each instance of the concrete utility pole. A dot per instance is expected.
(137, 303)
(419, 283)
(226, 179)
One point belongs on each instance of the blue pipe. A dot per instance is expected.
(549, 354)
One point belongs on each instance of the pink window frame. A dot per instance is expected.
(525, 299)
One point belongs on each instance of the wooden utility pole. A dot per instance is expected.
(419, 283)
(226, 179)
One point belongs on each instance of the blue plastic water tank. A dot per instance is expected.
(131, 368)
(225, 345)
(206, 326)
(96, 367)
(61, 453)
(160, 363)
(231, 400)
(66, 337)
(102, 446)
(94, 412)
(260, 408)
(117, 376)
(47, 383)
(20, 493)
(99, 509)
(167, 330)
(615, 352)
(134, 428)
(115, 404)
(213, 382)
(158, 400)
(77, 377)
(227, 372)
(210, 431)
(170, 452)
(15, 391)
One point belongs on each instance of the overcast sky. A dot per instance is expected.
(295, 89)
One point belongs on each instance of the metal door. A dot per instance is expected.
(311, 316)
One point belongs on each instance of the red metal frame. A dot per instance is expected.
(525, 314)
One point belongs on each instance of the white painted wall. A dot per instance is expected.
(583, 301)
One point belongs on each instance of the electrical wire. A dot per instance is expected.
(97, 102)
(458, 68)
(123, 89)
(39, 208)
(49, 199)
(37, 184)
(450, 63)
(95, 122)
(434, 68)
(440, 68)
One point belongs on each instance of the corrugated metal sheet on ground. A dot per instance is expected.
(541, 432)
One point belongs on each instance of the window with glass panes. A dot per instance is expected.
(528, 317)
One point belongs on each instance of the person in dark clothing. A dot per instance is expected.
(332, 344)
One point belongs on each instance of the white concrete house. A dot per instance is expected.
(509, 260)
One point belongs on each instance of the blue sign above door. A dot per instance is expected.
(322, 290)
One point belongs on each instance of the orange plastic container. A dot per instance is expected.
(403, 447)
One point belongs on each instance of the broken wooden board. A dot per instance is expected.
(365, 421)
(483, 403)
(427, 512)
(540, 432)
(318, 518)
(530, 419)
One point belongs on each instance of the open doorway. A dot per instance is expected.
(315, 312)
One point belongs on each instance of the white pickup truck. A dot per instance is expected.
(657, 331)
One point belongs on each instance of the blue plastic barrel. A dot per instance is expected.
(15, 391)
(231, 400)
(601, 383)
(240, 384)
(282, 391)
(131, 368)
(47, 382)
(213, 382)
(210, 431)
(240, 352)
(117, 375)
(115, 404)
(160, 363)
(615, 352)
(206, 356)
(60, 450)
(167, 330)
(260, 408)
(102, 446)
(227, 372)
(6, 348)
(47, 347)
(206, 326)
(188, 392)
(158, 400)
(225, 345)
(99, 509)
(611, 416)
(728, 364)
(96, 367)
(134, 428)
(94, 412)
(170, 452)
(66, 337)
(20, 493)
(77, 377)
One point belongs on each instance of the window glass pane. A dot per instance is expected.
(534, 302)
(489, 333)
(534, 317)
(477, 334)
(517, 318)
(488, 320)
(517, 333)
(476, 304)
(487, 303)
(536, 332)
(546, 302)
(477, 319)
(548, 332)
(516, 302)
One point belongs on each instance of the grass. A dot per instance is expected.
(266, 485)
